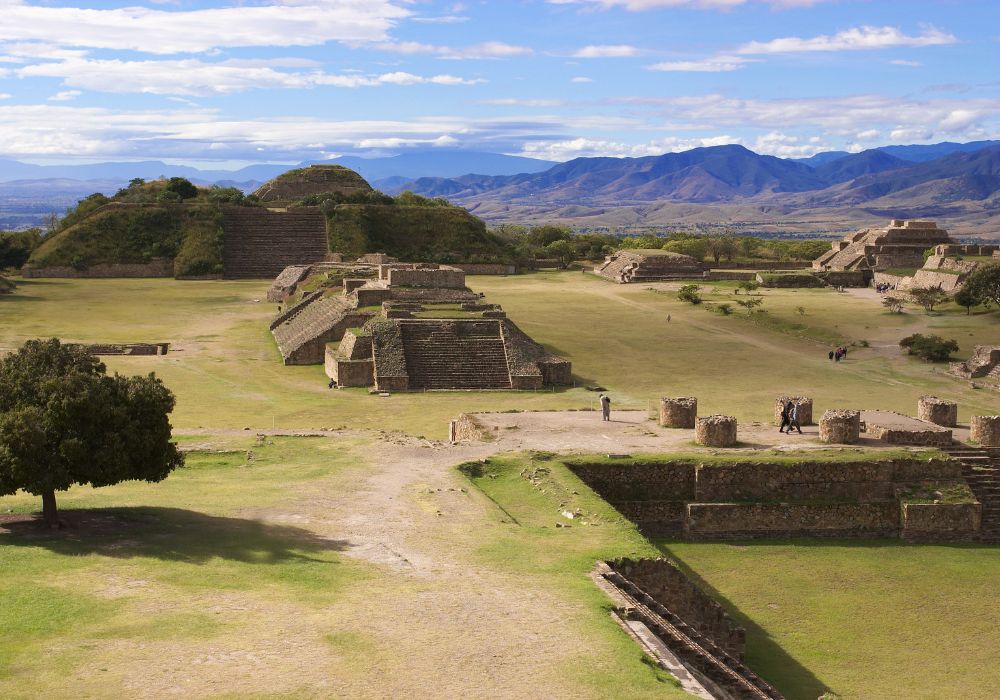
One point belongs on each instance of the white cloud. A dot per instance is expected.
(65, 96)
(195, 77)
(276, 23)
(606, 51)
(580, 79)
(642, 5)
(854, 39)
(487, 49)
(514, 102)
(5, 95)
(902, 62)
(715, 64)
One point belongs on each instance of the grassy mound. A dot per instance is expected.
(419, 233)
(298, 184)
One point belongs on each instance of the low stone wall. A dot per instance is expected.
(486, 268)
(667, 585)
(441, 278)
(351, 284)
(804, 403)
(905, 436)
(739, 520)
(840, 427)
(678, 412)
(937, 411)
(465, 427)
(656, 518)
(638, 481)
(716, 431)
(157, 267)
(985, 430)
(845, 278)
(737, 275)
(133, 349)
(936, 522)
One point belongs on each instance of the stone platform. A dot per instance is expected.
(897, 429)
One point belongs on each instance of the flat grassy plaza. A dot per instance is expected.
(359, 560)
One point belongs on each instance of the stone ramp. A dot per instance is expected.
(260, 243)
(455, 355)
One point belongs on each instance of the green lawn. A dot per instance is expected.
(862, 619)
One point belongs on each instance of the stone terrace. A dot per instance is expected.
(900, 244)
(649, 266)
(446, 354)
(260, 243)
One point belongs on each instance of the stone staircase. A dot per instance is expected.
(981, 471)
(455, 355)
(260, 243)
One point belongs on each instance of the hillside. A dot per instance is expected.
(296, 185)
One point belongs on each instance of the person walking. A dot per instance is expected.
(785, 420)
(605, 407)
(793, 418)
(831, 356)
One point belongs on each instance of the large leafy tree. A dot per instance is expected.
(984, 284)
(64, 421)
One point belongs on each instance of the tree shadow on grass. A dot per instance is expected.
(171, 534)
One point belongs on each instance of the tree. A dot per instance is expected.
(182, 187)
(16, 246)
(750, 304)
(689, 293)
(749, 286)
(928, 297)
(984, 283)
(968, 297)
(563, 251)
(930, 347)
(694, 247)
(894, 304)
(136, 182)
(63, 421)
(543, 236)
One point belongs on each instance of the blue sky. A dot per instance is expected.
(229, 82)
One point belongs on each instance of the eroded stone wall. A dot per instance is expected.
(985, 430)
(840, 427)
(937, 411)
(716, 431)
(678, 412)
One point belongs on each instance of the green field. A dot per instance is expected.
(363, 564)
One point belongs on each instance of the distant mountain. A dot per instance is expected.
(916, 153)
(716, 173)
(857, 164)
(441, 163)
(821, 158)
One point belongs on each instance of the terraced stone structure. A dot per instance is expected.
(937, 411)
(901, 244)
(295, 185)
(260, 243)
(679, 412)
(984, 363)
(649, 266)
(414, 327)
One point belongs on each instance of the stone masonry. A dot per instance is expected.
(937, 411)
(985, 430)
(679, 412)
(804, 403)
(840, 427)
(900, 244)
(716, 431)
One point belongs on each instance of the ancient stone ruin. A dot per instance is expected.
(937, 411)
(649, 266)
(804, 403)
(901, 244)
(716, 431)
(840, 427)
(413, 326)
(984, 364)
(679, 412)
(985, 430)
(131, 349)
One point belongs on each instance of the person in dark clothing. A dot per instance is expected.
(793, 417)
(831, 356)
(605, 407)
(785, 419)
(332, 384)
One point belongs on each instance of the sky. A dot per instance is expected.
(229, 82)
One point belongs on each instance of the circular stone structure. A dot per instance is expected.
(840, 426)
(985, 430)
(804, 403)
(716, 431)
(678, 412)
(937, 411)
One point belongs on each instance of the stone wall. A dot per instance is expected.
(444, 278)
(667, 585)
(678, 412)
(486, 268)
(985, 430)
(739, 520)
(840, 426)
(638, 480)
(466, 427)
(937, 411)
(716, 431)
(804, 403)
(906, 436)
(923, 522)
(157, 267)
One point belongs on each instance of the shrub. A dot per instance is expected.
(894, 304)
(933, 348)
(182, 187)
(928, 297)
(690, 293)
(984, 284)
(750, 304)
(796, 279)
(725, 308)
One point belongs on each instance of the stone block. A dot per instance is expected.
(937, 411)
(985, 430)
(840, 426)
(716, 431)
(804, 403)
(678, 412)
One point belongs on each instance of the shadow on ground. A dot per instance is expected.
(172, 534)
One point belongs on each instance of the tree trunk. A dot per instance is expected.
(50, 513)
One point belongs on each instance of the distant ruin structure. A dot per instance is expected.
(409, 327)
(649, 266)
(984, 363)
(901, 244)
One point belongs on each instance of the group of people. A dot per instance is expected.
(883, 287)
(838, 354)
(790, 417)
